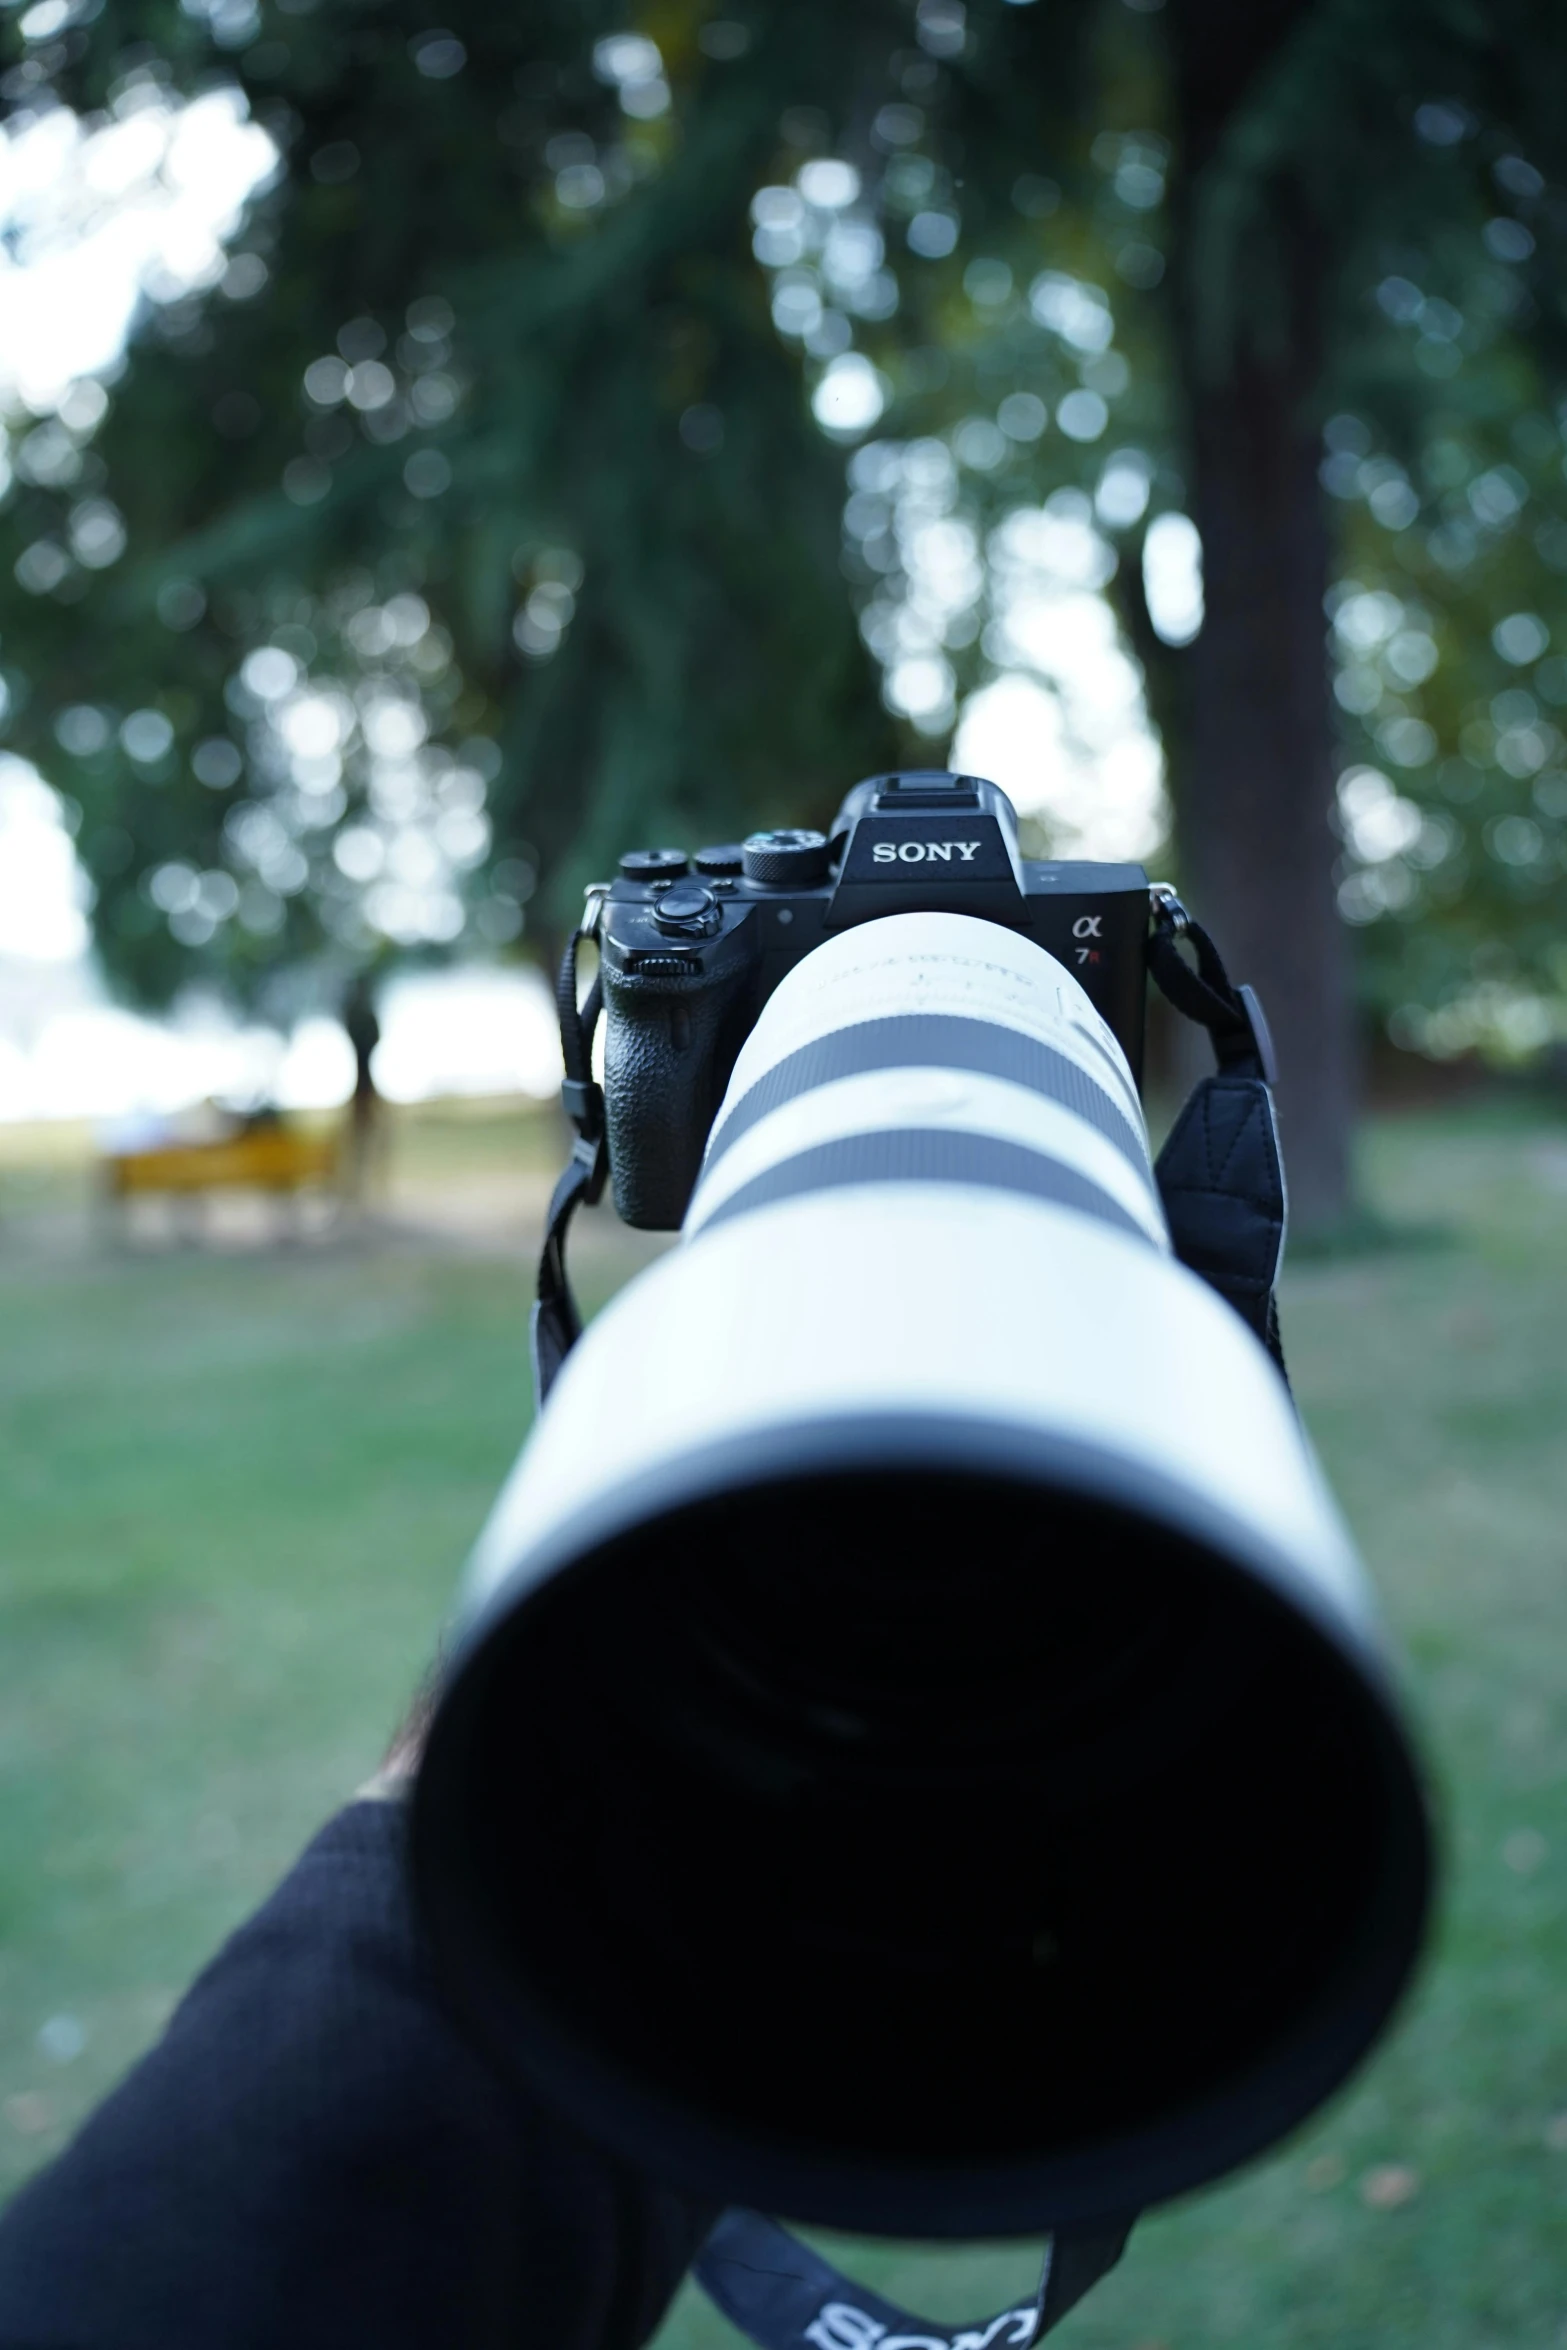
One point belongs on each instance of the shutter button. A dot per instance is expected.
(687, 911)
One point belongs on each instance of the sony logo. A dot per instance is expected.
(923, 852)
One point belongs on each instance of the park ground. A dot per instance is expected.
(237, 1480)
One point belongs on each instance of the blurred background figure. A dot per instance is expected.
(365, 1125)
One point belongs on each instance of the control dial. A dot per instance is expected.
(653, 864)
(728, 859)
(787, 860)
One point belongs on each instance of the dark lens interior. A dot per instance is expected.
(922, 1816)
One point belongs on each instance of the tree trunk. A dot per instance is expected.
(1253, 805)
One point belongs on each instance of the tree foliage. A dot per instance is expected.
(495, 470)
(476, 522)
(1422, 148)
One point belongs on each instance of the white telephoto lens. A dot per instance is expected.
(918, 1754)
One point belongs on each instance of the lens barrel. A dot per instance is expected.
(919, 1754)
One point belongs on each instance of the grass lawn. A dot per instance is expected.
(235, 1488)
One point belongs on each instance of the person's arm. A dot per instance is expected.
(314, 2158)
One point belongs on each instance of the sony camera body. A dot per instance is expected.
(691, 948)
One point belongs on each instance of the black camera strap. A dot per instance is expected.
(1221, 1171)
(786, 2297)
(556, 1324)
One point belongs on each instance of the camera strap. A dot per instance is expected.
(786, 2297)
(556, 1324)
(1221, 1171)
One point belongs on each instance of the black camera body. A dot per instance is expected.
(691, 948)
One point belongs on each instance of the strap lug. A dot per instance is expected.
(1169, 915)
(583, 1102)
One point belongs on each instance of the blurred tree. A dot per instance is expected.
(1333, 260)
(1256, 784)
(474, 519)
(476, 506)
(1444, 463)
(1323, 148)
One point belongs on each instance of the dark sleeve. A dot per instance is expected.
(314, 2156)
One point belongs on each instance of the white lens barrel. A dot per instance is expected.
(933, 1024)
(928, 1189)
(919, 1757)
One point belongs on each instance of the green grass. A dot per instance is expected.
(234, 1493)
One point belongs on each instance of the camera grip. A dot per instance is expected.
(667, 1057)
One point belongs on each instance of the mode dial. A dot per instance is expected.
(793, 860)
(653, 864)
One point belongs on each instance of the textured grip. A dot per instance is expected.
(668, 1050)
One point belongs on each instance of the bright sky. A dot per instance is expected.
(66, 1052)
(93, 220)
(90, 223)
(42, 888)
(453, 1032)
(1065, 729)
